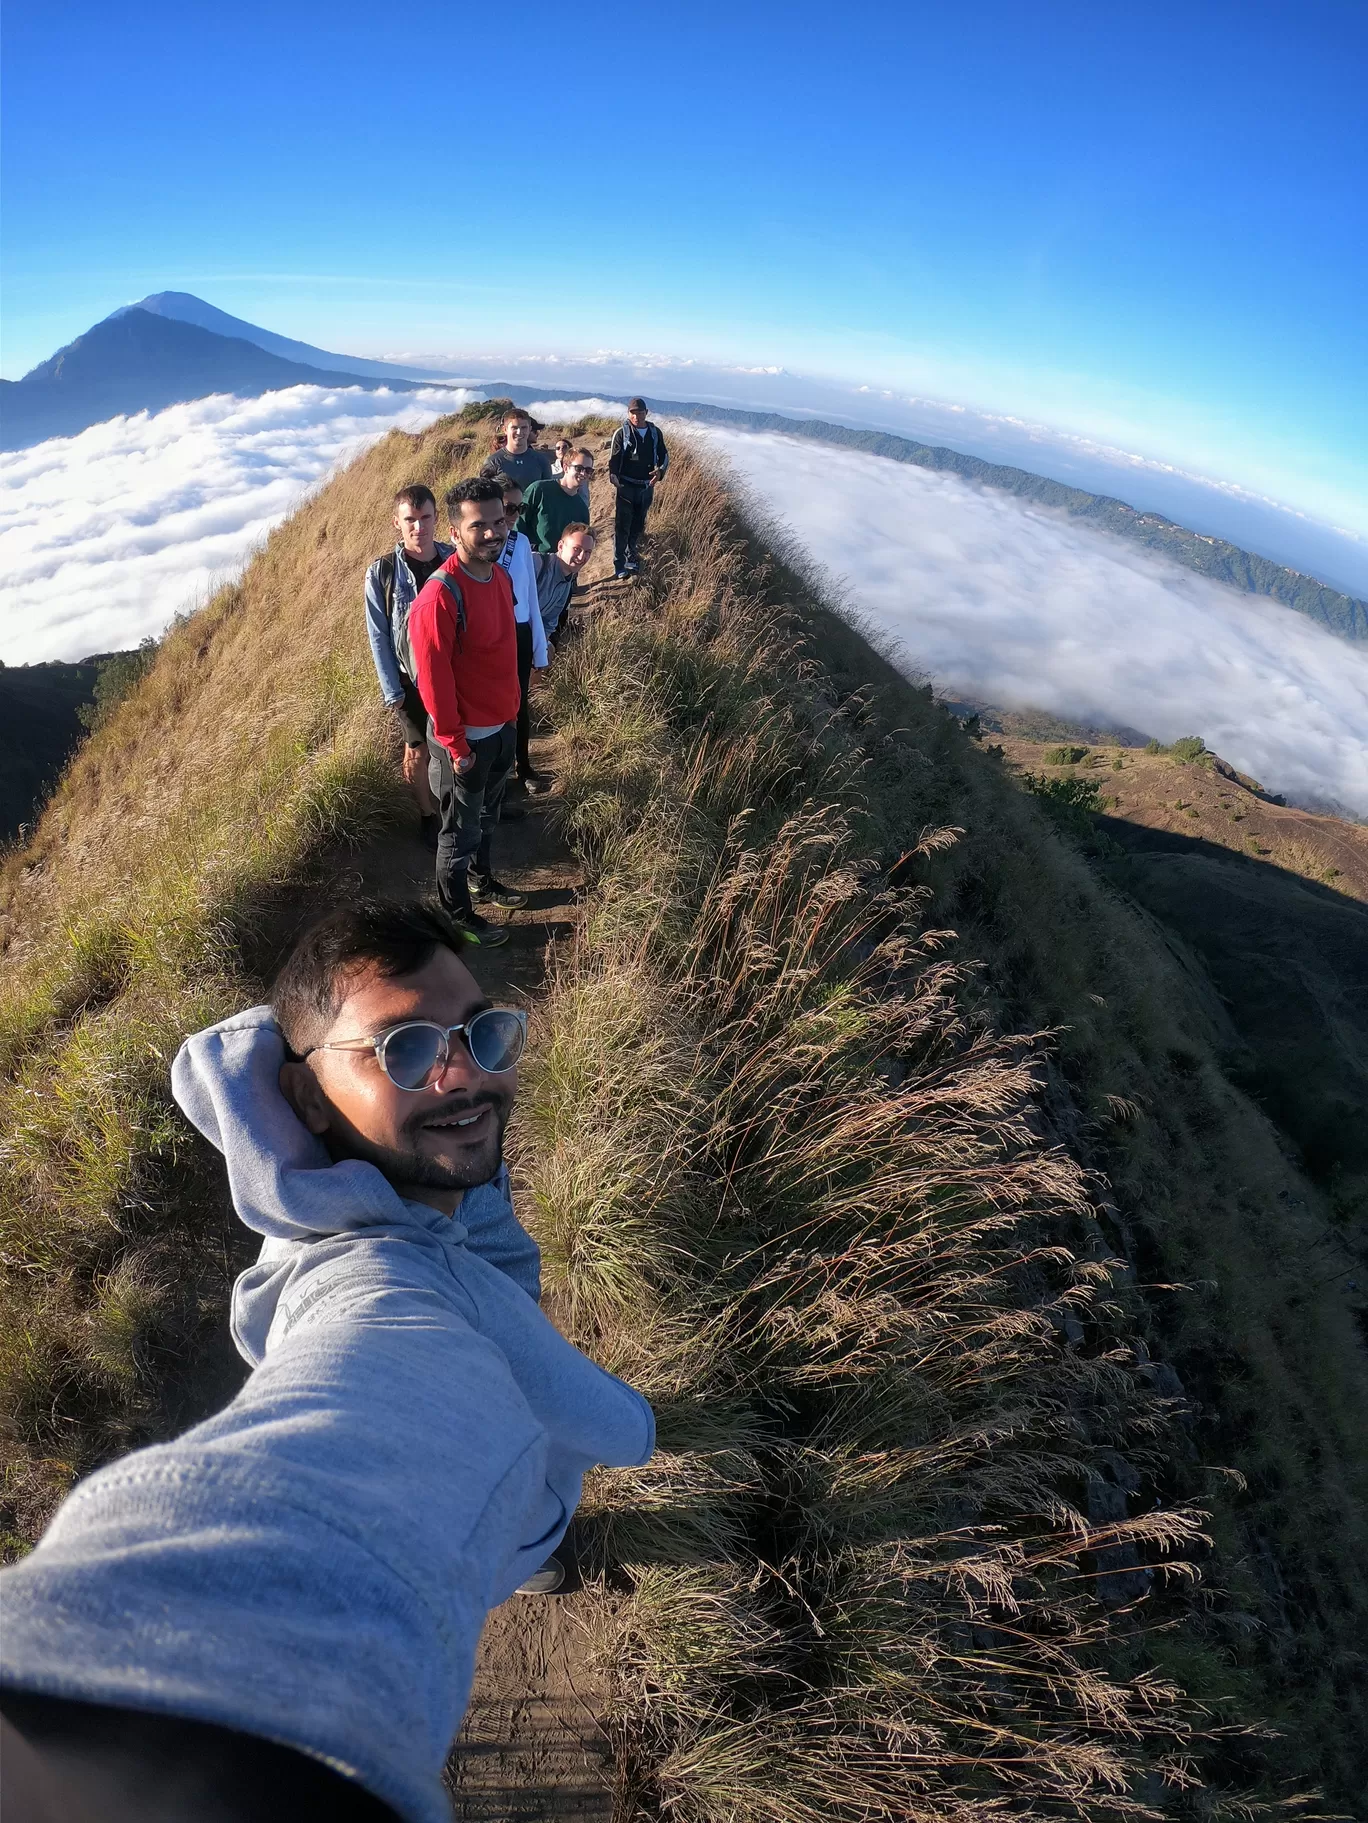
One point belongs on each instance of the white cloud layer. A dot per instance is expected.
(104, 536)
(1024, 607)
(565, 411)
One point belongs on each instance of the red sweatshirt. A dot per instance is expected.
(467, 675)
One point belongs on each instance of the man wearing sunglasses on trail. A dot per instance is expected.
(275, 1616)
(550, 506)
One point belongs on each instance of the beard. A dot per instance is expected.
(405, 1164)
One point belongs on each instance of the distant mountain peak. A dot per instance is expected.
(140, 360)
(185, 307)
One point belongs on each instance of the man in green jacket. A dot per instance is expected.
(549, 506)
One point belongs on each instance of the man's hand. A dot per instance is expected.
(463, 766)
(414, 761)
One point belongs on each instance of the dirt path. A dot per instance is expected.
(533, 1744)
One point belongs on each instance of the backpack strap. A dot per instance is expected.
(387, 582)
(453, 588)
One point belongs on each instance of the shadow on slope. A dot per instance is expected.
(39, 727)
(1289, 958)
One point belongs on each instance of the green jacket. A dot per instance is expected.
(546, 511)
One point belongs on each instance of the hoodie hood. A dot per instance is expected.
(286, 1187)
(282, 1180)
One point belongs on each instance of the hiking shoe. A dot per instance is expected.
(535, 783)
(493, 892)
(621, 575)
(633, 565)
(546, 1580)
(478, 930)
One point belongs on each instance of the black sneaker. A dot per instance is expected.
(535, 783)
(490, 891)
(479, 930)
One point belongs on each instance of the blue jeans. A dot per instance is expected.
(469, 803)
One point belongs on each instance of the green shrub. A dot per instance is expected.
(1188, 748)
(1064, 756)
(1071, 802)
(118, 676)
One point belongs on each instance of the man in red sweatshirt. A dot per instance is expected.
(465, 660)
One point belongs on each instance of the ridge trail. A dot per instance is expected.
(533, 1743)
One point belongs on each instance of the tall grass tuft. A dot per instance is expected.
(903, 1548)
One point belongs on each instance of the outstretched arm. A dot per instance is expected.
(313, 1565)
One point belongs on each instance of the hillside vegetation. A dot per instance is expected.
(40, 724)
(868, 1131)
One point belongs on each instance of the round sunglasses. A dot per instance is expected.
(414, 1055)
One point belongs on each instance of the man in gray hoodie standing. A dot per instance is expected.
(292, 1591)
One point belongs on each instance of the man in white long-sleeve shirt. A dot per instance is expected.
(532, 651)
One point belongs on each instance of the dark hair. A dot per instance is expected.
(509, 483)
(516, 412)
(387, 935)
(417, 496)
(475, 487)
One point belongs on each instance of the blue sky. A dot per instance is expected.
(1142, 225)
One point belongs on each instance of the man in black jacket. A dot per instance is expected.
(637, 460)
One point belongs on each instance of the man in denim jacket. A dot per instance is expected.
(392, 585)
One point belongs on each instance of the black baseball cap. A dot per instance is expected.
(637, 405)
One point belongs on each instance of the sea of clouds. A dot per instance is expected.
(104, 536)
(1023, 607)
(1332, 547)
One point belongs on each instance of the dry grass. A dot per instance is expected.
(799, 1177)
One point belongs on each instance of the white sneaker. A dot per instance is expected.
(546, 1580)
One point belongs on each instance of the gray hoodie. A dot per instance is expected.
(314, 1564)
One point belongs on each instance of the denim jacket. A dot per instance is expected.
(380, 625)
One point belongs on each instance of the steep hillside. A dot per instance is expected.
(1274, 901)
(872, 1131)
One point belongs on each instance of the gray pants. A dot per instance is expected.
(469, 803)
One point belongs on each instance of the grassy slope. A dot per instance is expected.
(783, 1134)
(676, 725)
(144, 906)
(1275, 902)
